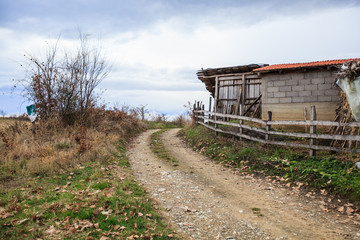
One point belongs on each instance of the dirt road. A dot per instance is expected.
(204, 200)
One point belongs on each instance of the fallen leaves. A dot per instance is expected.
(52, 231)
(4, 214)
(323, 192)
(62, 187)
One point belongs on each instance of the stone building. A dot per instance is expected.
(289, 90)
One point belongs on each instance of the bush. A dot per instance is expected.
(54, 147)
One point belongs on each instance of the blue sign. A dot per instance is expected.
(31, 110)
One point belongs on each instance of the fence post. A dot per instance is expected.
(194, 112)
(216, 102)
(268, 126)
(209, 115)
(312, 152)
(203, 114)
(241, 122)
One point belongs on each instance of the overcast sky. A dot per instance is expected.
(156, 46)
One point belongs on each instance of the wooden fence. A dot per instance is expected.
(248, 128)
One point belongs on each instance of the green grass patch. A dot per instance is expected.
(257, 212)
(161, 125)
(89, 201)
(337, 176)
(158, 147)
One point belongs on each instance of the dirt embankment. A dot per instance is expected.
(207, 201)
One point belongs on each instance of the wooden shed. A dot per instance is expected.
(289, 90)
(236, 90)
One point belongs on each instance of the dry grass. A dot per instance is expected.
(6, 122)
(54, 148)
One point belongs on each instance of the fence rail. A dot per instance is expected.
(217, 121)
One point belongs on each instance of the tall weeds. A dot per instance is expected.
(56, 146)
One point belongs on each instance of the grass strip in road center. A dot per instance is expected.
(157, 146)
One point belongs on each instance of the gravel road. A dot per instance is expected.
(204, 200)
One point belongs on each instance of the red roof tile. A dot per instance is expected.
(304, 65)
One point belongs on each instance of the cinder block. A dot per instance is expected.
(297, 99)
(311, 99)
(325, 86)
(279, 83)
(330, 80)
(326, 74)
(311, 75)
(270, 94)
(297, 76)
(273, 100)
(317, 93)
(324, 98)
(332, 92)
(270, 83)
(292, 82)
(285, 89)
(292, 94)
(311, 87)
(285, 100)
(273, 89)
(335, 87)
(279, 94)
(298, 88)
(305, 82)
(304, 93)
(335, 98)
(318, 80)
(285, 77)
(273, 77)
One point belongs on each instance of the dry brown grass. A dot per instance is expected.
(54, 147)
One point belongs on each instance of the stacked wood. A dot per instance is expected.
(343, 115)
(351, 71)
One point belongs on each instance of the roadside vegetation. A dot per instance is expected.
(66, 176)
(328, 173)
(74, 183)
(161, 122)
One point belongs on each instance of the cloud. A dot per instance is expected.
(156, 47)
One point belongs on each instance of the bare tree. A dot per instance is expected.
(41, 80)
(65, 84)
(141, 111)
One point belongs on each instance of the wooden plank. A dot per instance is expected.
(268, 126)
(288, 134)
(216, 98)
(297, 145)
(312, 151)
(233, 74)
(236, 117)
(317, 123)
(296, 122)
(237, 104)
(252, 104)
(243, 92)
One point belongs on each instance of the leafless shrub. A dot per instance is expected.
(63, 86)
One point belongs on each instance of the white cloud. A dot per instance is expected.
(279, 40)
(157, 64)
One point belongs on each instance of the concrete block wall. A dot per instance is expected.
(300, 87)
